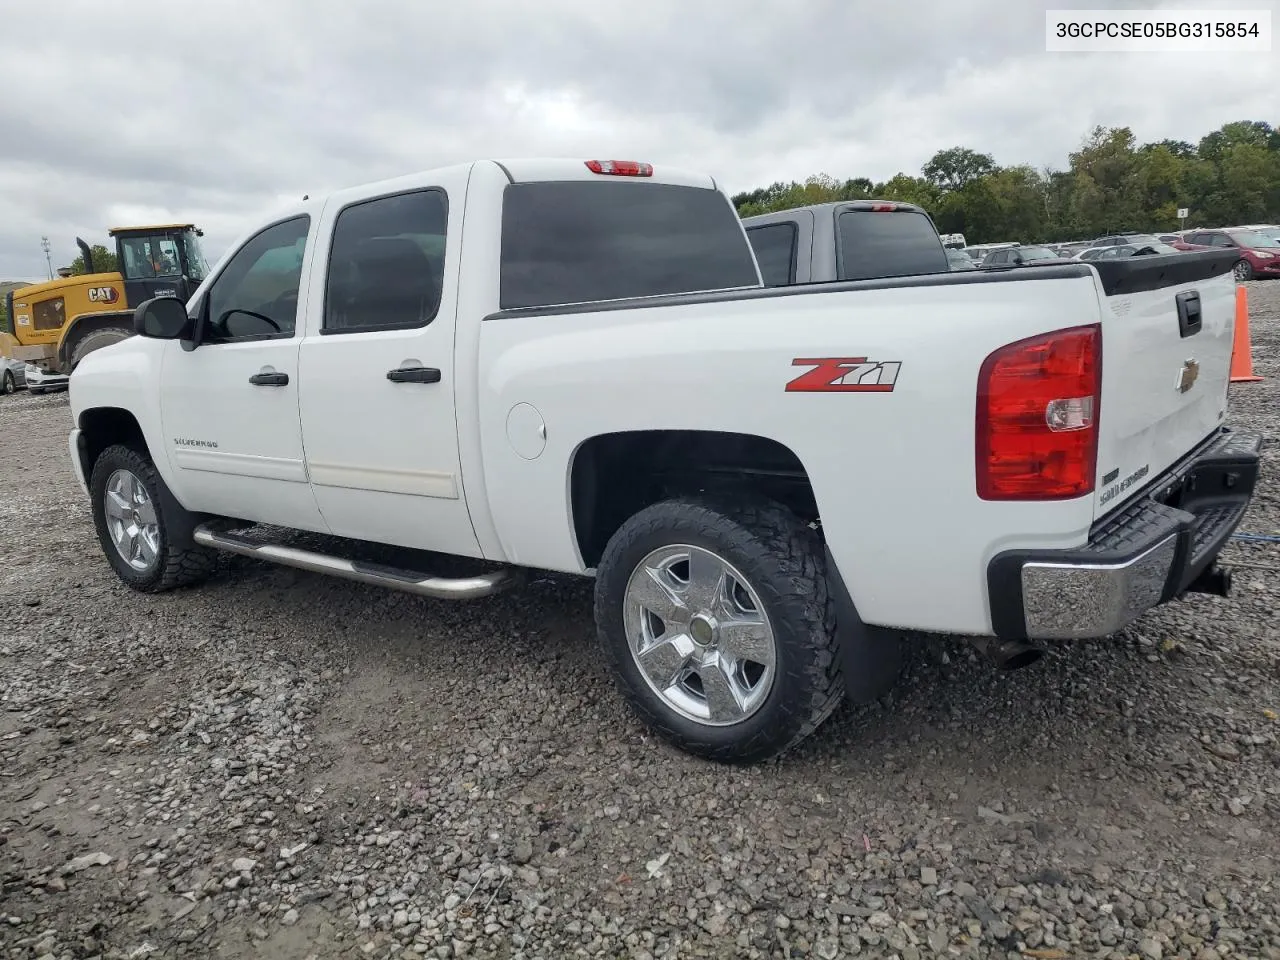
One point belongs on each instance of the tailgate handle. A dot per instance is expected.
(1189, 315)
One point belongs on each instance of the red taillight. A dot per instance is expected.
(1037, 421)
(620, 168)
(883, 207)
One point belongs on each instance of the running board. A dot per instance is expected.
(409, 581)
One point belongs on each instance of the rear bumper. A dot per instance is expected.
(1146, 553)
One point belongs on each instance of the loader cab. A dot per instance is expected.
(160, 261)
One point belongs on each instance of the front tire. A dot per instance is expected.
(717, 625)
(10, 385)
(134, 516)
(1243, 271)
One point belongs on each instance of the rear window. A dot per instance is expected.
(585, 241)
(898, 244)
(775, 247)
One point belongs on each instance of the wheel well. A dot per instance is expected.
(616, 475)
(105, 427)
(84, 325)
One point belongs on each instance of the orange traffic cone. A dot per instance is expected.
(1241, 350)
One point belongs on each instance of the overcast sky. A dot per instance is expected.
(212, 110)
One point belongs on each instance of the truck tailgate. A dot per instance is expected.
(1168, 330)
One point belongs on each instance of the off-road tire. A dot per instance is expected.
(9, 385)
(96, 340)
(175, 566)
(784, 561)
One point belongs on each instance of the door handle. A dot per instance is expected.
(271, 379)
(414, 375)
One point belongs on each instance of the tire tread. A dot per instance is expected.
(180, 567)
(745, 526)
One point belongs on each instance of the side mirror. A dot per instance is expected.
(162, 318)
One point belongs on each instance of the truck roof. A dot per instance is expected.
(532, 169)
(524, 170)
(900, 205)
(112, 231)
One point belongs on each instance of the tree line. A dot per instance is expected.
(1111, 184)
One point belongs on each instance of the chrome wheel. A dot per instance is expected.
(699, 634)
(131, 520)
(1243, 270)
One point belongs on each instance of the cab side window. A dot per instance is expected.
(386, 265)
(256, 295)
(775, 248)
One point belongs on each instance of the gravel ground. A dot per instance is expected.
(283, 765)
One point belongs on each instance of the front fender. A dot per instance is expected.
(125, 377)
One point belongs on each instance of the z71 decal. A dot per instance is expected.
(844, 375)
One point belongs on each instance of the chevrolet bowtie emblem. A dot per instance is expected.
(1187, 377)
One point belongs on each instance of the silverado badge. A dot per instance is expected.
(1187, 376)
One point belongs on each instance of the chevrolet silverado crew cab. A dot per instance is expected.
(443, 382)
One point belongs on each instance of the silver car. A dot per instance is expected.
(12, 375)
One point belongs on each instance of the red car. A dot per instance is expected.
(1259, 254)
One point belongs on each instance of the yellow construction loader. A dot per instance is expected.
(56, 324)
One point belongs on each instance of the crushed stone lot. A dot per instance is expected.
(283, 765)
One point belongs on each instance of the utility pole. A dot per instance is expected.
(45, 246)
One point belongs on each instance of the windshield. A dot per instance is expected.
(1037, 253)
(148, 257)
(196, 262)
(1253, 239)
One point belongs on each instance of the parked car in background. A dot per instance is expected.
(846, 240)
(960, 260)
(1128, 239)
(1259, 254)
(979, 251)
(1020, 256)
(12, 375)
(43, 380)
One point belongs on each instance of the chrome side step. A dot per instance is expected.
(409, 581)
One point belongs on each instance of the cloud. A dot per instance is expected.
(212, 111)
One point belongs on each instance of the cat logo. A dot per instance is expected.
(103, 295)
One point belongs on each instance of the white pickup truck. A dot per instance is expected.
(573, 366)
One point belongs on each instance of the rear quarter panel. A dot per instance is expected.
(893, 472)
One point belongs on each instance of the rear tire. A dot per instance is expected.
(744, 665)
(134, 515)
(96, 340)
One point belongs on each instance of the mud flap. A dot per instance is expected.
(871, 657)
